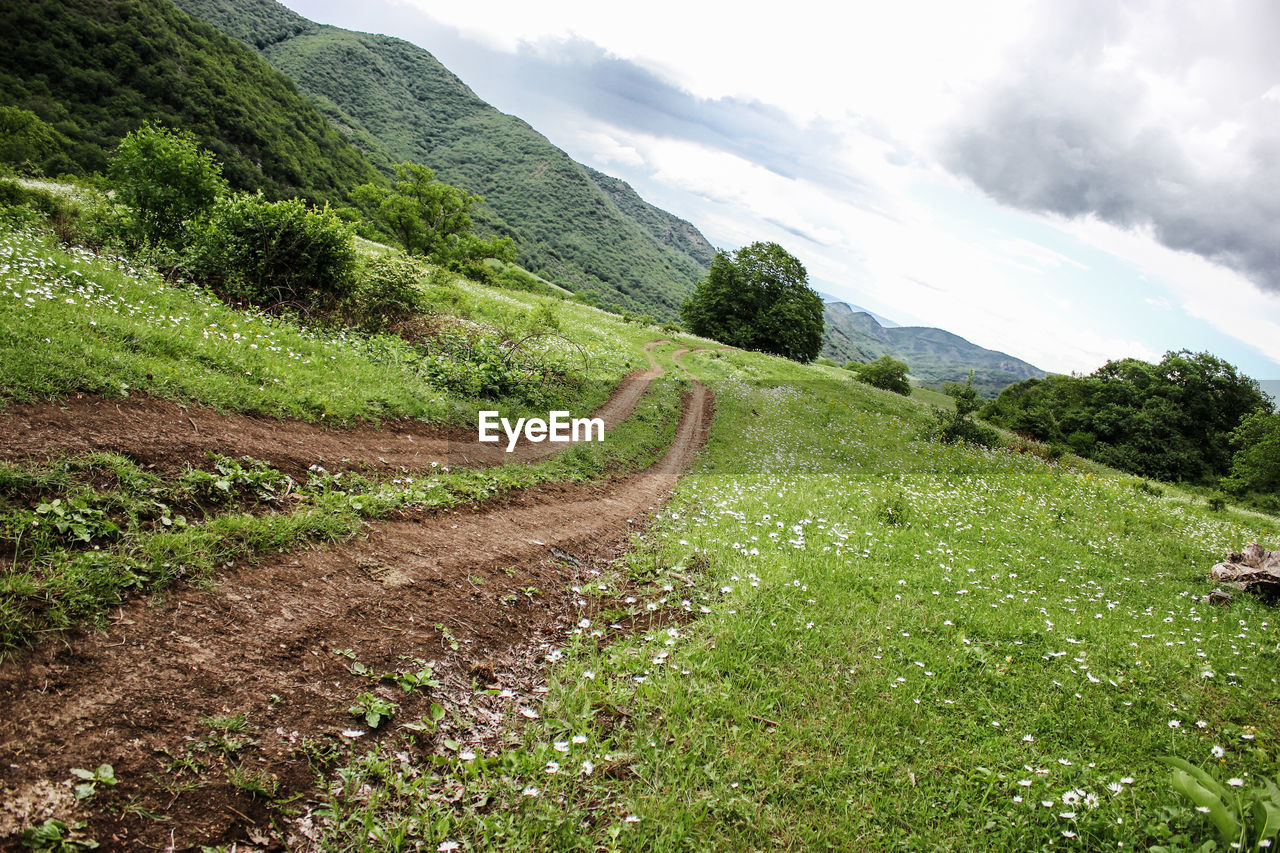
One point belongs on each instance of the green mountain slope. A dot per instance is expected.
(935, 356)
(583, 231)
(668, 229)
(96, 69)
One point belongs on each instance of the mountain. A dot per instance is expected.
(571, 224)
(883, 321)
(97, 69)
(934, 356)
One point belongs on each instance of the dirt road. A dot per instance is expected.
(482, 594)
(166, 435)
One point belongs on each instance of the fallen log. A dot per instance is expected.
(1255, 570)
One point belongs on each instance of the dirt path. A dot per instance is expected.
(168, 436)
(482, 594)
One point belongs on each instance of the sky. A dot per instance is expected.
(1065, 182)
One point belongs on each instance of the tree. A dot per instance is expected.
(758, 298)
(25, 139)
(166, 179)
(427, 217)
(885, 372)
(959, 425)
(1169, 421)
(1255, 467)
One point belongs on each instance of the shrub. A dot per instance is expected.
(272, 253)
(388, 292)
(885, 372)
(957, 426)
(26, 140)
(165, 179)
(22, 206)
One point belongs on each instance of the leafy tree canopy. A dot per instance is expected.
(429, 218)
(885, 372)
(25, 139)
(758, 298)
(166, 179)
(1171, 421)
(1255, 467)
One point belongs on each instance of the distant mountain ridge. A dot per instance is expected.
(935, 356)
(879, 318)
(571, 224)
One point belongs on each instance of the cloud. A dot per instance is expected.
(1157, 117)
(626, 95)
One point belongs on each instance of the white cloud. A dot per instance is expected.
(605, 149)
(811, 57)
(1204, 290)
(879, 85)
(899, 257)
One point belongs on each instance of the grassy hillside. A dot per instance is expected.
(566, 227)
(96, 69)
(842, 637)
(935, 356)
(838, 635)
(72, 322)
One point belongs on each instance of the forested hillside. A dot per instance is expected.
(935, 356)
(96, 69)
(566, 227)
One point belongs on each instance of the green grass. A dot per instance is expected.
(933, 398)
(80, 534)
(896, 644)
(70, 322)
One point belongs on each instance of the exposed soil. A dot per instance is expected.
(276, 642)
(167, 436)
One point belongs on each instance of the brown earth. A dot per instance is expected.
(485, 594)
(167, 436)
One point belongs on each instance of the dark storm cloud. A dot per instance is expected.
(1069, 133)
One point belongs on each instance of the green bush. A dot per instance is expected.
(885, 372)
(21, 206)
(166, 180)
(388, 292)
(959, 426)
(26, 140)
(269, 253)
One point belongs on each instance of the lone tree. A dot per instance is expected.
(166, 180)
(885, 372)
(758, 298)
(430, 218)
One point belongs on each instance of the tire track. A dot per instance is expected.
(166, 435)
(479, 593)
